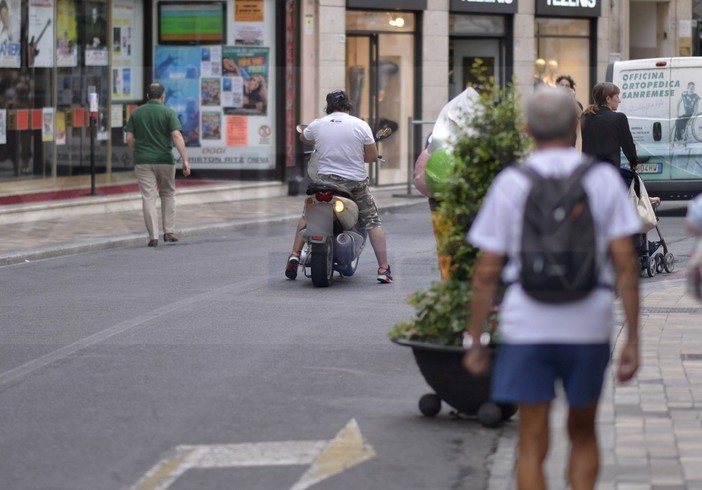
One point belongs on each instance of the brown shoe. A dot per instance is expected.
(170, 237)
(153, 243)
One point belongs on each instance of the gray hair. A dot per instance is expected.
(551, 114)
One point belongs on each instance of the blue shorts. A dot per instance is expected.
(527, 373)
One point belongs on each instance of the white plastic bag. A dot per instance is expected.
(453, 119)
(643, 205)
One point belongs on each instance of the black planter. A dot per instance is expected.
(442, 368)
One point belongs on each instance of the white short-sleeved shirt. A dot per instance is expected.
(497, 229)
(340, 139)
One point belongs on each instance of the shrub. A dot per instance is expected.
(496, 140)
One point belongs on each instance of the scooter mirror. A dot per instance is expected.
(300, 128)
(383, 133)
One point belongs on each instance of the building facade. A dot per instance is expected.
(242, 73)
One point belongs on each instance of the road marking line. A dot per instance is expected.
(327, 458)
(347, 449)
(68, 350)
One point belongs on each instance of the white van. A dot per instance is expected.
(660, 99)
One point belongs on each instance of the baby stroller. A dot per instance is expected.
(651, 259)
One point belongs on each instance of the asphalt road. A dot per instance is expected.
(121, 367)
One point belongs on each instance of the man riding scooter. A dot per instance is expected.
(344, 143)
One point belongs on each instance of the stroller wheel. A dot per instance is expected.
(669, 262)
(659, 262)
(651, 267)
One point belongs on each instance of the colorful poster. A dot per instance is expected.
(40, 49)
(211, 61)
(232, 92)
(251, 64)
(3, 126)
(47, 126)
(248, 35)
(210, 93)
(60, 122)
(96, 34)
(10, 22)
(67, 33)
(237, 131)
(121, 82)
(126, 48)
(177, 68)
(117, 116)
(212, 125)
(248, 11)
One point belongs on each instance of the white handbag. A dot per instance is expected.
(643, 205)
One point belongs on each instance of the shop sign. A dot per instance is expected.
(387, 4)
(569, 8)
(484, 6)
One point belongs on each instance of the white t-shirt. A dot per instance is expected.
(498, 227)
(340, 139)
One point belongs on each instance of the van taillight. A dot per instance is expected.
(661, 63)
(657, 131)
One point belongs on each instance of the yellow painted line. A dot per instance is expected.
(324, 458)
(166, 470)
(347, 449)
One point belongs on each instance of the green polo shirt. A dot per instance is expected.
(152, 124)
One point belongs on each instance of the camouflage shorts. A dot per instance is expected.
(367, 210)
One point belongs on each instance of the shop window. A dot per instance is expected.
(563, 48)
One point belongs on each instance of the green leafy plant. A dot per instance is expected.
(493, 139)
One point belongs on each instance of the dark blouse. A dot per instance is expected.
(604, 133)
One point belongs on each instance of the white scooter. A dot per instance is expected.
(333, 238)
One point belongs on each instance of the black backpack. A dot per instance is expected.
(558, 247)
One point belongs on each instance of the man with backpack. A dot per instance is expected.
(561, 226)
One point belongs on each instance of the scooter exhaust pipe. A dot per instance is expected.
(344, 247)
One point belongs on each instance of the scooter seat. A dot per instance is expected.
(331, 187)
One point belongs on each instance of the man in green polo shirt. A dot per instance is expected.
(151, 130)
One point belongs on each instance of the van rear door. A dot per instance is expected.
(647, 92)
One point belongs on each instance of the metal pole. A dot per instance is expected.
(410, 155)
(93, 128)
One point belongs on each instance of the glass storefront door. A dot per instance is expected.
(380, 83)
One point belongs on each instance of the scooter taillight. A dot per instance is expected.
(323, 196)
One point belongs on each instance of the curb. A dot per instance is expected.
(108, 243)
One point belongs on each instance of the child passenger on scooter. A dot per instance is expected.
(344, 143)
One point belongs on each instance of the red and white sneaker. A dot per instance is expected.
(291, 266)
(384, 275)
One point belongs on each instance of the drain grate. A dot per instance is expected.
(672, 309)
(691, 357)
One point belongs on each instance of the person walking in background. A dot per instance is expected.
(151, 131)
(606, 132)
(542, 343)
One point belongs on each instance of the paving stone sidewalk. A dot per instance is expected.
(650, 429)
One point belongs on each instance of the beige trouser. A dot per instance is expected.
(157, 180)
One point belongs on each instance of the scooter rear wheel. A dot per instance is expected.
(322, 264)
